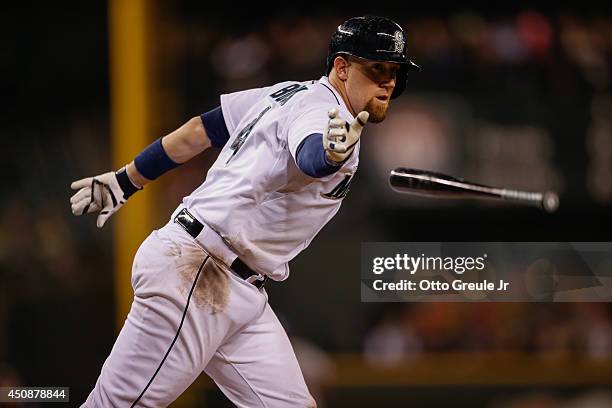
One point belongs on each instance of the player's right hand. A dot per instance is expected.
(100, 193)
(340, 138)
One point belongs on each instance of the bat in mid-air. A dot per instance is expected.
(430, 184)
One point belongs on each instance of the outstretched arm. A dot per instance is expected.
(107, 192)
(319, 155)
(179, 146)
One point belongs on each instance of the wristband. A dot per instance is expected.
(153, 161)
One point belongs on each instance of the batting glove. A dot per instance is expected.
(340, 138)
(102, 193)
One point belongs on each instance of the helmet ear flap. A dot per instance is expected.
(400, 81)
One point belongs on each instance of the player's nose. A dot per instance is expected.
(392, 81)
(388, 84)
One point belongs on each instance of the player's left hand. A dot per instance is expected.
(100, 193)
(340, 137)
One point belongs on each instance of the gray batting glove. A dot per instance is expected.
(100, 193)
(340, 138)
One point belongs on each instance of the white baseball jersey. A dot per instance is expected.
(255, 196)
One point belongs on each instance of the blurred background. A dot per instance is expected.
(516, 95)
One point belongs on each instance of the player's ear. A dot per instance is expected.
(341, 64)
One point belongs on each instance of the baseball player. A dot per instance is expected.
(289, 154)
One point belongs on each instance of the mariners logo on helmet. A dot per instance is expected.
(376, 39)
(399, 41)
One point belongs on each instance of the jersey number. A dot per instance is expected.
(341, 190)
(244, 133)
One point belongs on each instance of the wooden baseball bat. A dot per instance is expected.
(431, 184)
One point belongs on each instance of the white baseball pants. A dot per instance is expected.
(191, 314)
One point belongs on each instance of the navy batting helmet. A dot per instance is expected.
(373, 38)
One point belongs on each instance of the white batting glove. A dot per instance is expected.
(339, 138)
(100, 193)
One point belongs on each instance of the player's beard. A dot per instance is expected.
(377, 111)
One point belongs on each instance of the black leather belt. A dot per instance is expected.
(194, 227)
